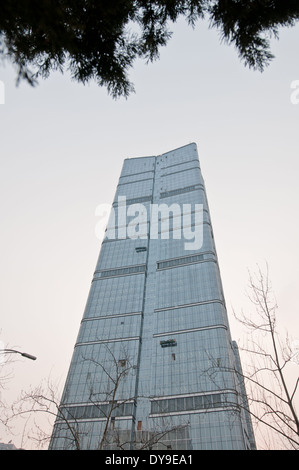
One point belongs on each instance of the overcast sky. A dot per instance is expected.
(61, 150)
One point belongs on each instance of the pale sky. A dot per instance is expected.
(61, 150)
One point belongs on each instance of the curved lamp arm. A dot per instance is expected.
(28, 356)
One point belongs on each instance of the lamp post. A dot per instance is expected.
(11, 351)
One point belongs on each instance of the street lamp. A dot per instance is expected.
(28, 356)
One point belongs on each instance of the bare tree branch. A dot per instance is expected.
(270, 384)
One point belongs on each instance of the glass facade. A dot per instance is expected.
(154, 366)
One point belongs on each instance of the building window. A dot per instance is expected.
(139, 425)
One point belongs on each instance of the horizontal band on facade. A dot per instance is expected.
(125, 226)
(112, 277)
(98, 411)
(90, 420)
(121, 268)
(135, 200)
(115, 315)
(174, 215)
(181, 171)
(196, 394)
(136, 181)
(161, 222)
(203, 253)
(116, 272)
(152, 228)
(110, 340)
(194, 403)
(189, 330)
(186, 261)
(180, 163)
(176, 225)
(193, 304)
(135, 174)
(180, 227)
(110, 240)
(150, 232)
(96, 403)
(186, 189)
(137, 269)
(198, 411)
(211, 260)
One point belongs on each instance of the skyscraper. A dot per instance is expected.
(154, 366)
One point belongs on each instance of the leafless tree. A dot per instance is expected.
(39, 407)
(271, 373)
(4, 377)
(44, 400)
